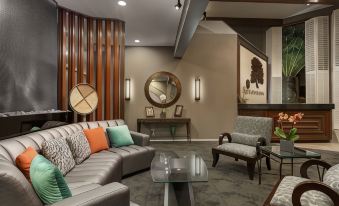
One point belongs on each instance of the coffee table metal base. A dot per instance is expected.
(178, 194)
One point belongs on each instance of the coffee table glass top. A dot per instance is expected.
(298, 153)
(167, 167)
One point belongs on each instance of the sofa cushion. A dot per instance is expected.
(246, 139)
(283, 195)
(100, 168)
(24, 160)
(134, 157)
(57, 151)
(331, 177)
(96, 139)
(119, 136)
(79, 146)
(48, 182)
(239, 149)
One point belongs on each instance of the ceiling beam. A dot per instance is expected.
(331, 2)
(248, 21)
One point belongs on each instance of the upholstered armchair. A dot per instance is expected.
(249, 134)
(301, 191)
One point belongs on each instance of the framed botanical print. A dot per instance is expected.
(149, 111)
(178, 110)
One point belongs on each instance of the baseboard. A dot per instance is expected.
(184, 140)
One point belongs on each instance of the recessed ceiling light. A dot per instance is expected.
(137, 41)
(122, 3)
(308, 4)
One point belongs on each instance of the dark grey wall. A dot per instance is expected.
(28, 55)
(254, 34)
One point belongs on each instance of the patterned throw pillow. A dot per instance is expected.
(58, 152)
(79, 146)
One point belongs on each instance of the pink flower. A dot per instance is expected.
(285, 116)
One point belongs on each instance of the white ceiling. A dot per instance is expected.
(258, 10)
(153, 22)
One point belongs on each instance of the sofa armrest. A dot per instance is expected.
(111, 194)
(140, 139)
(303, 187)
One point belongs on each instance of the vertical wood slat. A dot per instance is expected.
(62, 83)
(90, 57)
(108, 70)
(122, 72)
(104, 77)
(99, 70)
(80, 50)
(71, 52)
(116, 72)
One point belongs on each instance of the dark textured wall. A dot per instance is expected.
(28, 55)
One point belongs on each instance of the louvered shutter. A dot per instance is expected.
(335, 67)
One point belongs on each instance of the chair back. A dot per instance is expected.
(255, 126)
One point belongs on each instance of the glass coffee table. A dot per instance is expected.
(177, 170)
(274, 153)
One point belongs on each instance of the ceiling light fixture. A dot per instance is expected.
(122, 3)
(308, 4)
(178, 5)
(137, 41)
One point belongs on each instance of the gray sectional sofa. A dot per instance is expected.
(94, 182)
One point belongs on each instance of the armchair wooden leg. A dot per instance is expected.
(251, 169)
(268, 163)
(215, 158)
(236, 159)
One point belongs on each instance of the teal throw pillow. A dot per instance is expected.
(119, 136)
(47, 181)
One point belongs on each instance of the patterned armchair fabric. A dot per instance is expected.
(246, 139)
(283, 195)
(331, 178)
(261, 126)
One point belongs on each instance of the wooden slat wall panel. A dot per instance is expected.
(122, 71)
(80, 50)
(90, 57)
(108, 43)
(99, 69)
(72, 27)
(116, 73)
(71, 53)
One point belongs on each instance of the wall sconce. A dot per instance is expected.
(127, 89)
(197, 89)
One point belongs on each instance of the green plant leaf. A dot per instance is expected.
(280, 133)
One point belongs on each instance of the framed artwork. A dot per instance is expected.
(252, 74)
(149, 111)
(178, 110)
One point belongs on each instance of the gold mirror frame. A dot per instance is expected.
(173, 78)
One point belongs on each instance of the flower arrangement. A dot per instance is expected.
(290, 135)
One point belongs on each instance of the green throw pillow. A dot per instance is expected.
(119, 136)
(48, 181)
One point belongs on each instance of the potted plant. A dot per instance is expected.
(287, 136)
(293, 55)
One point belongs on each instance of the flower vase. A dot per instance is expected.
(286, 146)
(163, 114)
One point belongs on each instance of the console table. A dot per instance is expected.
(167, 121)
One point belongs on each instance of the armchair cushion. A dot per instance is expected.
(239, 149)
(283, 195)
(255, 126)
(331, 177)
(246, 139)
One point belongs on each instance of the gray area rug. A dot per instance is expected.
(228, 183)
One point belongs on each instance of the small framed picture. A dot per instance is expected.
(149, 111)
(178, 110)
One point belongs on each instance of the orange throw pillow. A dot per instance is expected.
(97, 139)
(24, 160)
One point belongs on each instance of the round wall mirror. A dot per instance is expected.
(162, 89)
